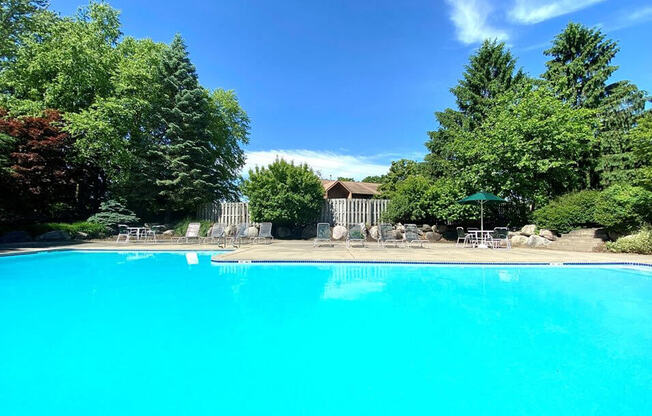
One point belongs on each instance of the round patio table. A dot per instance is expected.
(481, 237)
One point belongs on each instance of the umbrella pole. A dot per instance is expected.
(481, 215)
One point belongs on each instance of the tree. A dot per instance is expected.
(580, 65)
(284, 193)
(641, 139)
(344, 178)
(18, 20)
(41, 179)
(374, 179)
(399, 171)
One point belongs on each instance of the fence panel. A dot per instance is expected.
(336, 211)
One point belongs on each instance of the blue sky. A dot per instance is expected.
(348, 86)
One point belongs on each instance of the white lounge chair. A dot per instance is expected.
(323, 235)
(265, 233)
(388, 236)
(192, 233)
(216, 233)
(412, 235)
(240, 234)
(123, 232)
(355, 235)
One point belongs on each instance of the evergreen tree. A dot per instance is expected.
(185, 153)
(580, 65)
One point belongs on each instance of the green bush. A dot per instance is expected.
(624, 208)
(112, 213)
(91, 229)
(181, 226)
(568, 212)
(640, 242)
(284, 193)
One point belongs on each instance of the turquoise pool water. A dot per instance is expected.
(172, 334)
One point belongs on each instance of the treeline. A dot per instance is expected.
(528, 139)
(88, 114)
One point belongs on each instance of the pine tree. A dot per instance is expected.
(580, 65)
(186, 158)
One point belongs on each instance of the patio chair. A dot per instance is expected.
(123, 232)
(388, 236)
(501, 235)
(151, 231)
(412, 235)
(192, 233)
(355, 235)
(323, 235)
(216, 233)
(265, 233)
(465, 238)
(240, 234)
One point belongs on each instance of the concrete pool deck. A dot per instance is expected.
(302, 250)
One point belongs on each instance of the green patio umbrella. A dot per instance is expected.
(481, 198)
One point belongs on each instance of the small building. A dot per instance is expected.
(349, 190)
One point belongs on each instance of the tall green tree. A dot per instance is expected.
(20, 19)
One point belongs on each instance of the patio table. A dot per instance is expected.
(481, 237)
(137, 232)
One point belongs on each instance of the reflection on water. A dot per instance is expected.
(350, 283)
(192, 258)
(508, 275)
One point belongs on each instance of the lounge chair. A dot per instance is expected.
(216, 233)
(123, 232)
(388, 236)
(355, 235)
(500, 235)
(192, 233)
(323, 235)
(265, 233)
(465, 238)
(412, 235)
(240, 234)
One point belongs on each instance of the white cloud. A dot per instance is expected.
(535, 11)
(470, 19)
(328, 164)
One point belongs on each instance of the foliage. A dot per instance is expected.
(20, 20)
(181, 226)
(374, 179)
(641, 139)
(399, 171)
(91, 229)
(343, 178)
(284, 193)
(39, 175)
(640, 242)
(568, 212)
(112, 213)
(624, 207)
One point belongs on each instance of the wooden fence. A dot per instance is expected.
(340, 211)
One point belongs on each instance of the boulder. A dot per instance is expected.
(426, 228)
(168, 233)
(420, 232)
(535, 241)
(548, 235)
(309, 231)
(528, 230)
(441, 228)
(513, 233)
(433, 236)
(400, 228)
(56, 235)
(283, 232)
(398, 234)
(252, 232)
(15, 237)
(374, 233)
(339, 233)
(519, 240)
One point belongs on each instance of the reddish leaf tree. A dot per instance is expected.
(41, 179)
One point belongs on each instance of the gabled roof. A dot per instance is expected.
(363, 188)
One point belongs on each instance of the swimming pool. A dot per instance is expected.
(142, 333)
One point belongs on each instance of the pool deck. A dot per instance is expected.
(301, 250)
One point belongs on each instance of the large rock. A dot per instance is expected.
(426, 228)
(339, 233)
(398, 234)
(374, 233)
(283, 232)
(15, 237)
(230, 230)
(528, 230)
(535, 241)
(548, 235)
(433, 236)
(519, 240)
(56, 235)
(252, 232)
(309, 231)
(400, 228)
(441, 228)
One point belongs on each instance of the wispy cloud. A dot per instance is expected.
(535, 11)
(471, 21)
(328, 164)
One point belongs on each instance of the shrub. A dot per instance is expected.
(181, 226)
(568, 212)
(640, 242)
(284, 193)
(112, 213)
(91, 229)
(624, 208)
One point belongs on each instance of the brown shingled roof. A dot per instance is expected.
(364, 188)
